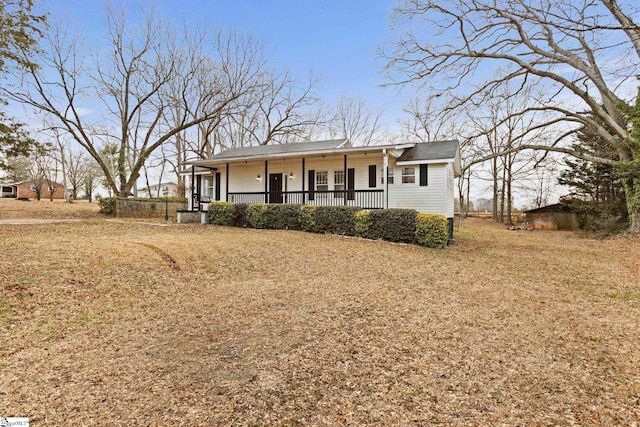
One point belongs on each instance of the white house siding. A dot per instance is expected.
(437, 197)
(431, 198)
(359, 162)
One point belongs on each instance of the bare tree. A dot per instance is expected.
(565, 48)
(426, 120)
(92, 176)
(128, 85)
(76, 170)
(38, 171)
(354, 120)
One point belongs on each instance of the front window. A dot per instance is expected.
(338, 183)
(207, 187)
(322, 181)
(408, 175)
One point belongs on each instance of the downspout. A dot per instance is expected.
(386, 178)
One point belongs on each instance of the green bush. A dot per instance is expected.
(221, 213)
(432, 230)
(282, 217)
(335, 219)
(274, 216)
(362, 223)
(107, 205)
(240, 215)
(9, 196)
(305, 217)
(256, 217)
(598, 219)
(393, 225)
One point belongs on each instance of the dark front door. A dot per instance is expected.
(275, 188)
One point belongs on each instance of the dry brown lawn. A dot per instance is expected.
(108, 322)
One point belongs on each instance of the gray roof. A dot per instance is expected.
(430, 151)
(411, 152)
(267, 150)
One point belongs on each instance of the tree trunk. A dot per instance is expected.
(632, 193)
(509, 181)
(495, 190)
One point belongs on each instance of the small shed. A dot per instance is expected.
(552, 217)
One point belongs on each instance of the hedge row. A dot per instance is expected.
(394, 225)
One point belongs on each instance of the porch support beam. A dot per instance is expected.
(193, 182)
(266, 181)
(303, 178)
(226, 179)
(385, 160)
(345, 180)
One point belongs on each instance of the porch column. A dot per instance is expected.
(193, 183)
(266, 181)
(345, 180)
(226, 179)
(303, 177)
(385, 156)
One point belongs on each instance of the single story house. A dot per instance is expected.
(417, 176)
(27, 190)
(552, 217)
(157, 190)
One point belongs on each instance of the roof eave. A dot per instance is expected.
(338, 150)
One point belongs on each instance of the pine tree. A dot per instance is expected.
(597, 191)
(20, 29)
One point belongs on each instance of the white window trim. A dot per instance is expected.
(415, 176)
(317, 181)
(335, 181)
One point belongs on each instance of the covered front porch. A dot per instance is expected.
(321, 179)
(366, 199)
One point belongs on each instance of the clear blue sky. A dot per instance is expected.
(335, 39)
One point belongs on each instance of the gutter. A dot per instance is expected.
(345, 150)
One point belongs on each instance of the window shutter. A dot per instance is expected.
(217, 189)
(423, 175)
(312, 184)
(372, 176)
(351, 184)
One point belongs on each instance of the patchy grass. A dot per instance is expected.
(119, 322)
(11, 209)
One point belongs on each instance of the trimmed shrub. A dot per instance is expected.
(274, 216)
(305, 217)
(221, 213)
(256, 217)
(362, 223)
(393, 225)
(432, 230)
(335, 220)
(240, 215)
(9, 196)
(282, 217)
